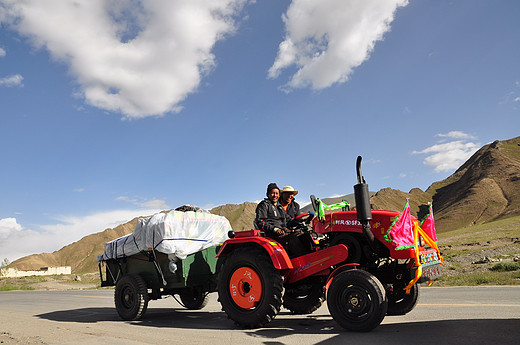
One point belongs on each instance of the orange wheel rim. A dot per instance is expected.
(245, 287)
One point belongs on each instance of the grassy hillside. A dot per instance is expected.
(482, 254)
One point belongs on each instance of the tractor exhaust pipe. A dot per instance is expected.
(363, 209)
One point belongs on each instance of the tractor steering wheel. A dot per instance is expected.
(301, 220)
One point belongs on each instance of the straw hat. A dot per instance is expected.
(289, 189)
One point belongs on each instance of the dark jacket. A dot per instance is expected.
(270, 216)
(293, 209)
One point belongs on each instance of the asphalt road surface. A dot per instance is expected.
(461, 315)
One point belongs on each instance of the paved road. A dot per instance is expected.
(475, 315)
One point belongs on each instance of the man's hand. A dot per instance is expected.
(278, 231)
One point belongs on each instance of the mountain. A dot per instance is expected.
(80, 255)
(240, 216)
(485, 188)
(334, 200)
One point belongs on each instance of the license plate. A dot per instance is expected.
(430, 272)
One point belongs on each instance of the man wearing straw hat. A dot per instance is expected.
(287, 195)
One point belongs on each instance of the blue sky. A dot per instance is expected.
(115, 109)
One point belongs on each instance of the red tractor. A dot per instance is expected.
(362, 275)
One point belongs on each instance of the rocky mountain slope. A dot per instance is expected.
(80, 255)
(485, 188)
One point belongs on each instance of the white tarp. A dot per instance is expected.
(175, 233)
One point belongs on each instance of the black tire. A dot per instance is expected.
(249, 287)
(399, 303)
(304, 298)
(353, 245)
(131, 297)
(357, 300)
(194, 298)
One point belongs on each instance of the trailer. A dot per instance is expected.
(168, 254)
(150, 275)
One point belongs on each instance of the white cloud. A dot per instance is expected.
(450, 155)
(140, 58)
(15, 80)
(455, 135)
(156, 203)
(335, 196)
(17, 241)
(8, 226)
(2, 52)
(153, 204)
(326, 39)
(511, 97)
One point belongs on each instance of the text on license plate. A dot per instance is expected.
(432, 271)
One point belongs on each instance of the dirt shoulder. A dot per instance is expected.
(60, 282)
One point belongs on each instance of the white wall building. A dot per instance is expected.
(44, 271)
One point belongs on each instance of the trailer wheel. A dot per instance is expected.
(250, 288)
(304, 298)
(357, 300)
(194, 298)
(399, 303)
(131, 297)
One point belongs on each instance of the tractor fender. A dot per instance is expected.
(274, 249)
(349, 266)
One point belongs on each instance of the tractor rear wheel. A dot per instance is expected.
(353, 245)
(399, 303)
(131, 297)
(194, 298)
(305, 297)
(249, 287)
(357, 300)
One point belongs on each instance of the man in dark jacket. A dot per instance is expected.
(272, 219)
(287, 195)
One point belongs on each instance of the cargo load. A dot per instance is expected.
(175, 233)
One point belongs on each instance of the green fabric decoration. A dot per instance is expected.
(321, 207)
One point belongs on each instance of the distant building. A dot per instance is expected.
(44, 271)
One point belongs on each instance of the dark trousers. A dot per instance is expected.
(297, 243)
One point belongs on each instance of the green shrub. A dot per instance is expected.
(506, 267)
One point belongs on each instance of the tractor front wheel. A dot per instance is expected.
(357, 300)
(249, 287)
